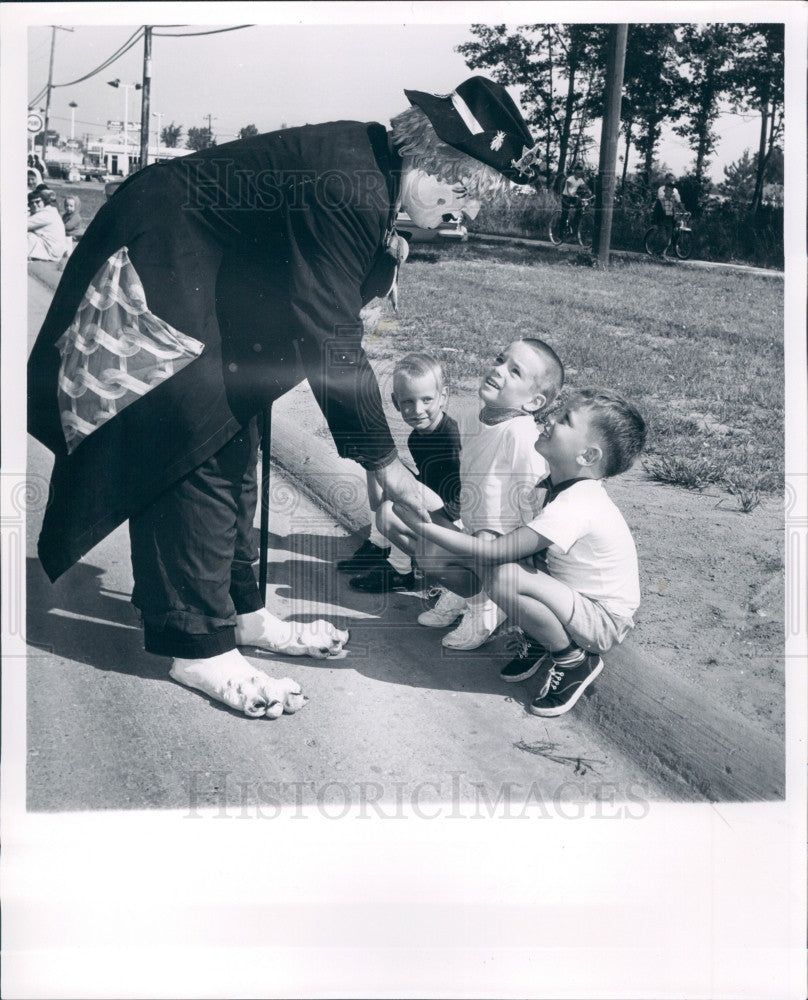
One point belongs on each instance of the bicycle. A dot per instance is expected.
(656, 239)
(583, 232)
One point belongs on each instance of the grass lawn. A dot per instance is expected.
(699, 352)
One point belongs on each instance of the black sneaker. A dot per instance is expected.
(566, 685)
(367, 556)
(530, 656)
(383, 581)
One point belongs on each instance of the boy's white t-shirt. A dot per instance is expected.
(499, 471)
(592, 550)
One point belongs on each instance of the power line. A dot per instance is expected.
(128, 44)
(190, 34)
(132, 40)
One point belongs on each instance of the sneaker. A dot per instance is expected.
(367, 556)
(529, 657)
(566, 686)
(474, 629)
(446, 610)
(383, 580)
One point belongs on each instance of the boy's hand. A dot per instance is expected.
(413, 518)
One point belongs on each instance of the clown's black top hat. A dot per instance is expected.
(480, 118)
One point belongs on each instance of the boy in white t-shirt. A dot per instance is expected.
(499, 471)
(574, 190)
(581, 599)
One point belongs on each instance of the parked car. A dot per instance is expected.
(93, 173)
(451, 229)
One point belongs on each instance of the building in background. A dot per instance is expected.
(117, 153)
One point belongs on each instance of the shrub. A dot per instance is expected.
(721, 231)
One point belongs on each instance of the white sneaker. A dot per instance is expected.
(474, 629)
(445, 611)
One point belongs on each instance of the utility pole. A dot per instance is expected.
(54, 29)
(604, 196)
(210, 127)
(145, 117)
(48, 96)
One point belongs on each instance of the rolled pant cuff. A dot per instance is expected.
(244, 591)
(171, 642)
(246, 601)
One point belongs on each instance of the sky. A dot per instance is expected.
(270, 75)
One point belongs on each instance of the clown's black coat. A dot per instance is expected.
(264, 249)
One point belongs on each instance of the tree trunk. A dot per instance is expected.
(568, 110)
(629, 125)
(761, 163)
(703, 119)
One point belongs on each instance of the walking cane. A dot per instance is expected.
(266, 429)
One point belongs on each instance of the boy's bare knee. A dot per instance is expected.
(502, 580)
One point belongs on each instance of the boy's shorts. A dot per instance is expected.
(593, 628)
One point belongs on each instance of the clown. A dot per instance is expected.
(202, 291)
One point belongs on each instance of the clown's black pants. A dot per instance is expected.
(193, 551)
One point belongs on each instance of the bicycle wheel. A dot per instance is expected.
(586, 231)
(656, 241)
(684, 244)
(556, 232)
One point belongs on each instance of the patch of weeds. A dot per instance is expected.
(545, 749)
(691, 473)
(748, 497)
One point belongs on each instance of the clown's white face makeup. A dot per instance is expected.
(426, 199)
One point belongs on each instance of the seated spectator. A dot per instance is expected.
(46, 231)
(71, 217)
(47, 195)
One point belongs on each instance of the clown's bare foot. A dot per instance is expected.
(264, 630)
(230, 678)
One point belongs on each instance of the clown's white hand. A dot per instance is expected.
(265, 631)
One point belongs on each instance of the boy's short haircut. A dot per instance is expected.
(417, 365)
(416, 138)
(620, 425)
(552, 380)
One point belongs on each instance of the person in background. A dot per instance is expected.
(71, 217)
(575, 190)
(667, 208)
(46, 231)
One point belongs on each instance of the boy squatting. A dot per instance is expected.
(569, 577)
(499, 470)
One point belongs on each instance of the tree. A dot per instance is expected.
(170, 135)
(200, 138)
(758, 84)
(739, 180)
(583, 46)
(539, 58)
(706, 58)
(652, 86)
(523, 59)
(247, 131)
